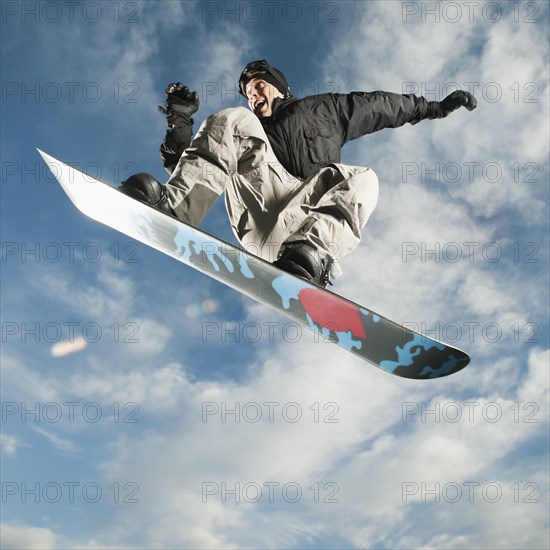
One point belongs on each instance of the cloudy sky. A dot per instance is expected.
(146, 406)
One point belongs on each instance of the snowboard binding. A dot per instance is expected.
(302, 259)
(145, 188)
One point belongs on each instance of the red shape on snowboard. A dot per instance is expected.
(332, 312)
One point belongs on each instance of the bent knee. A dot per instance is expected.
(233, 115)
(241, 121)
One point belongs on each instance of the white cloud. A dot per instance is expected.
(24, 383)
(534, 387)
(26, 537)
(368, 455)
(9, 444)
(62, 444)
(60, 349)
(508, 127)
(110, 296)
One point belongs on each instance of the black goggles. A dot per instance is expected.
(252, 69)
(255, 67)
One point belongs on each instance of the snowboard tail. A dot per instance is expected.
(364, 333)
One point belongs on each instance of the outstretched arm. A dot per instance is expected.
(367, 112)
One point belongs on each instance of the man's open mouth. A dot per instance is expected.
(259, 105)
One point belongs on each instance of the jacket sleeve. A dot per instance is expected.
(363, 113)
(175, 142)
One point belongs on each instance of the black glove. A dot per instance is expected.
(452, 102)
(180, 104)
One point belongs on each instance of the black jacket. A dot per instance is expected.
(309, 133)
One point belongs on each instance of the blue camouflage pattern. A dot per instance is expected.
(364, 333)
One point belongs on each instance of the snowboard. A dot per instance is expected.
(366, 334)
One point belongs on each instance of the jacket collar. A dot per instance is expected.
(279, 104)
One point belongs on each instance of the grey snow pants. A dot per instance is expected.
(267, 206)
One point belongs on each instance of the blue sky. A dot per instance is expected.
(121, 368)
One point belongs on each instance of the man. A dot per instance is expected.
(288, 197)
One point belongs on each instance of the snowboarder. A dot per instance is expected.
(288, 197)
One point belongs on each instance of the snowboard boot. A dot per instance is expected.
(147, 189)
(302, 259)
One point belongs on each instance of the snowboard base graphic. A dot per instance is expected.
(362, 332)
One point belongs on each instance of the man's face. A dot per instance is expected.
(260, 95)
